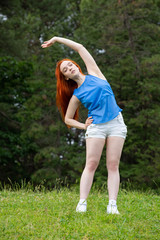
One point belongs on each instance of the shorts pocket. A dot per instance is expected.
(90, 130)
(120, 119)
(124, 129)
(91, 126)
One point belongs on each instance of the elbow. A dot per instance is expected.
(66, 121)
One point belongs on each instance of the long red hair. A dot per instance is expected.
(65, 90)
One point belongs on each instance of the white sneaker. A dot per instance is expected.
(112, 209)
(81, 207)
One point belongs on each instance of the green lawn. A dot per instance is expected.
(51, 215)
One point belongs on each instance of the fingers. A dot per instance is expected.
(89, 120)
(49, 42)
(46, 44)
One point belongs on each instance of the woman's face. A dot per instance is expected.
(69, 69)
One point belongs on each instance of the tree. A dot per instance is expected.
(14, 92)
(122, 35)
(124, 41)
(42, 132)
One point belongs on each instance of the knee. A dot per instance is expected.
(113, 165)
(91, 166)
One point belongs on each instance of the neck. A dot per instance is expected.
(79, 79)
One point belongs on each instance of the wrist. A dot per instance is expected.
(85, 126)
(55, 39)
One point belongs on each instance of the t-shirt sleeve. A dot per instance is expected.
(75, 93)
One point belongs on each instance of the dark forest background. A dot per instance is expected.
(124, 38)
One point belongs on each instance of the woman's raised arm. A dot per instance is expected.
(89, 61)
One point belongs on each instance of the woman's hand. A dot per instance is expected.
(88, 122)
(49, 43)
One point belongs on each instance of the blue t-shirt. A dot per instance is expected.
(97, 96)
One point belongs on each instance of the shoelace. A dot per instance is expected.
(83, 204)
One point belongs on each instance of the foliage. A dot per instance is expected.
(123, 41)
(123, 38)
(14, 92)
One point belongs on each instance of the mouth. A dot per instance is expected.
(73, 71)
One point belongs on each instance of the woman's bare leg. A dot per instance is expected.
(94, 147)
(113, 153)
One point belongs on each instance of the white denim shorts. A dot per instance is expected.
(115, 127)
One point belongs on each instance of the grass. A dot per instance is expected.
(48, 215)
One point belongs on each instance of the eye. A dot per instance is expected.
(65, 70)
(70, 64)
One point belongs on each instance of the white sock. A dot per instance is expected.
(82, 201)
(112, 202)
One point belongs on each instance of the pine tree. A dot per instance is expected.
(123, 38)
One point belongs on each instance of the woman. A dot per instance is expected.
(104, 124)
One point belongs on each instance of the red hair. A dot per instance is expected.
(65, 90)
